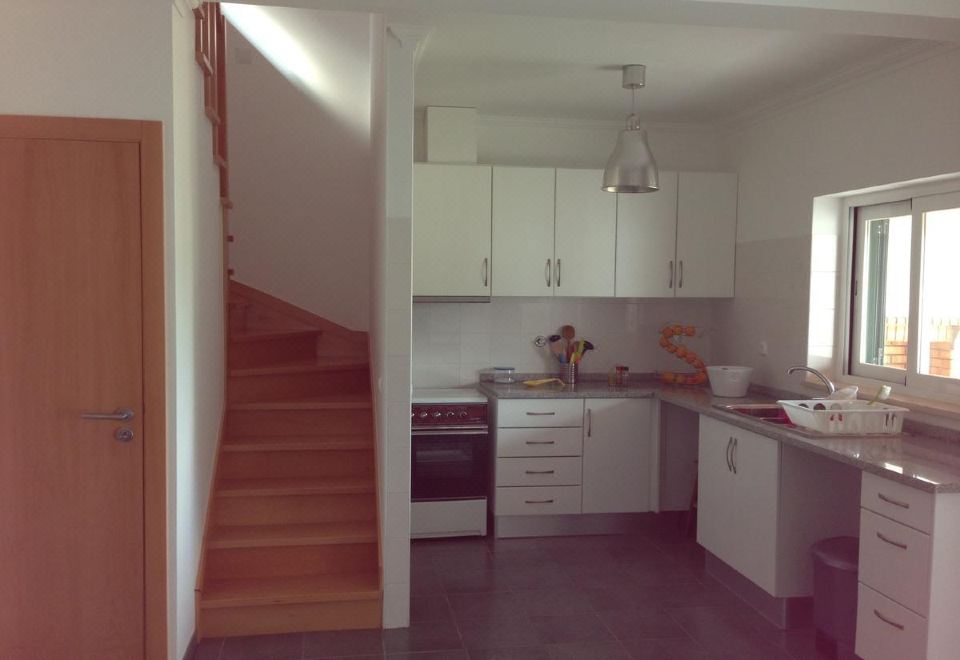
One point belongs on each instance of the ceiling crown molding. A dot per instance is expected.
(911, 53)
(574, 123)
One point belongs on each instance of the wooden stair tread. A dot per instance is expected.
(259, 536)
(333, 402)
(359, 441)
(295, 589)
(275, 486)
(264, 335)
(314, 366)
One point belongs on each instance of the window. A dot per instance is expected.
(905, 311)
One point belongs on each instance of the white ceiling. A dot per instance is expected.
(561, 67)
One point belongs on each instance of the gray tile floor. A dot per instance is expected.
(642, 596)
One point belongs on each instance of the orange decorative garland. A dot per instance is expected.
(683, 353)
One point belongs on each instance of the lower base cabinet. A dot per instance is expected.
(616, 455)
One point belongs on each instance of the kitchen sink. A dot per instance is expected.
(768, 412)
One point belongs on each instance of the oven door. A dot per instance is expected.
(449, 464)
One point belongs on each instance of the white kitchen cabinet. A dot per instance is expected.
(616, 455)
(646, 241)
(451, 230)
(679, 241)
(706, 234)
(586, 235)
(738, 500)
(523, 228)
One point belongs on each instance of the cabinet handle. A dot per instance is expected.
(486, 271)
(729, 447)
(536, 414)
(558, 272)
(589, 423)
(888, 500)
(902, 546)
(538, 501)
(540, 471)
(670, 268)
(547, 273)
(541, 442)
(680, 282)
(898, 626)
(733, 454)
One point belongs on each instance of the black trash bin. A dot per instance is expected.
(835, 563)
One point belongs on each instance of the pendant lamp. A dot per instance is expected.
(631, 167)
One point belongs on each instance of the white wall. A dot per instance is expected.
(898, 126)
(300, 162)
(199, 320)
(451, 342)
(115, 59)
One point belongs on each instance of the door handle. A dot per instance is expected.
(589, 423)
(119, 415)
(670, 285)
(558, 272)
(486, 270)
(729, 447)
(680, 282)
(733, 455)
(547, 273)
(540, 471)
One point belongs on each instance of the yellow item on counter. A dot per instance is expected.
(543, 381)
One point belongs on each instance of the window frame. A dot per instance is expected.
(909, 382)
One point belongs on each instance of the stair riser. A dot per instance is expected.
(253, 423)
(288, 561)
(281, 387)
(278, 350)
(264, 464)
(293, 509)
(276, 619)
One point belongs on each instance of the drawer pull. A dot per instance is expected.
(541, 442)
(888, 500)
(898, 626)
(540, 414)
(538, 501)
(540, 471)
(902, 546)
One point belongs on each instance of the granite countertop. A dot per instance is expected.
(920, 458)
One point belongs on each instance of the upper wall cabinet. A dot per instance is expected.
(586, 235)
(679, 241)
(451, 230)
(646, 241)
(523, 210)
(706, 234)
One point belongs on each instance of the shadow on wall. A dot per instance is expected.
(298, 85)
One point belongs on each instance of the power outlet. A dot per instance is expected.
(763, 348)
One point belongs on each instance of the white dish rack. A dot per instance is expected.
(845, 417)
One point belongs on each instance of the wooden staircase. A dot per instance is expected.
(292, 533)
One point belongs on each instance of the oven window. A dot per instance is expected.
(449, 467)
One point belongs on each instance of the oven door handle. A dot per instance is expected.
(449, 431)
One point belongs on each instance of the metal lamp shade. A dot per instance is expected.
(631, 168)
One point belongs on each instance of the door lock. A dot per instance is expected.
(123, 434)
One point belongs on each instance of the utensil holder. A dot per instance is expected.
(569, 373)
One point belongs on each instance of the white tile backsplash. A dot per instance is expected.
(452, 342)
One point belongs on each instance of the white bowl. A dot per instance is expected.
(729, 381)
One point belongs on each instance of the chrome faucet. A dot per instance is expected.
(831, 388)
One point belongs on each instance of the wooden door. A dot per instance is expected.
(451, 230)
(706, 234)
(647, 240)
(616, 455)
(72, 565)
(523, 199)
(586, 235)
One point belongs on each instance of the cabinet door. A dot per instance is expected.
(451, 230)
(616, 455)
(715, 506)
(586, 235)
(523, 203)
(647, 240)
(756, 503)
(706, 234)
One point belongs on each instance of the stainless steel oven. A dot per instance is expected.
(450, 469)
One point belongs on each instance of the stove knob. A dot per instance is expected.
(463, 414)
(423, 414)
(451, 414)
(437, 414)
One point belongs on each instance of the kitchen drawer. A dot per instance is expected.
(901, 503)
(540, 471)
(539, 412)
(540, 442)
(895, 560)
(537, 500)
(887, 630)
